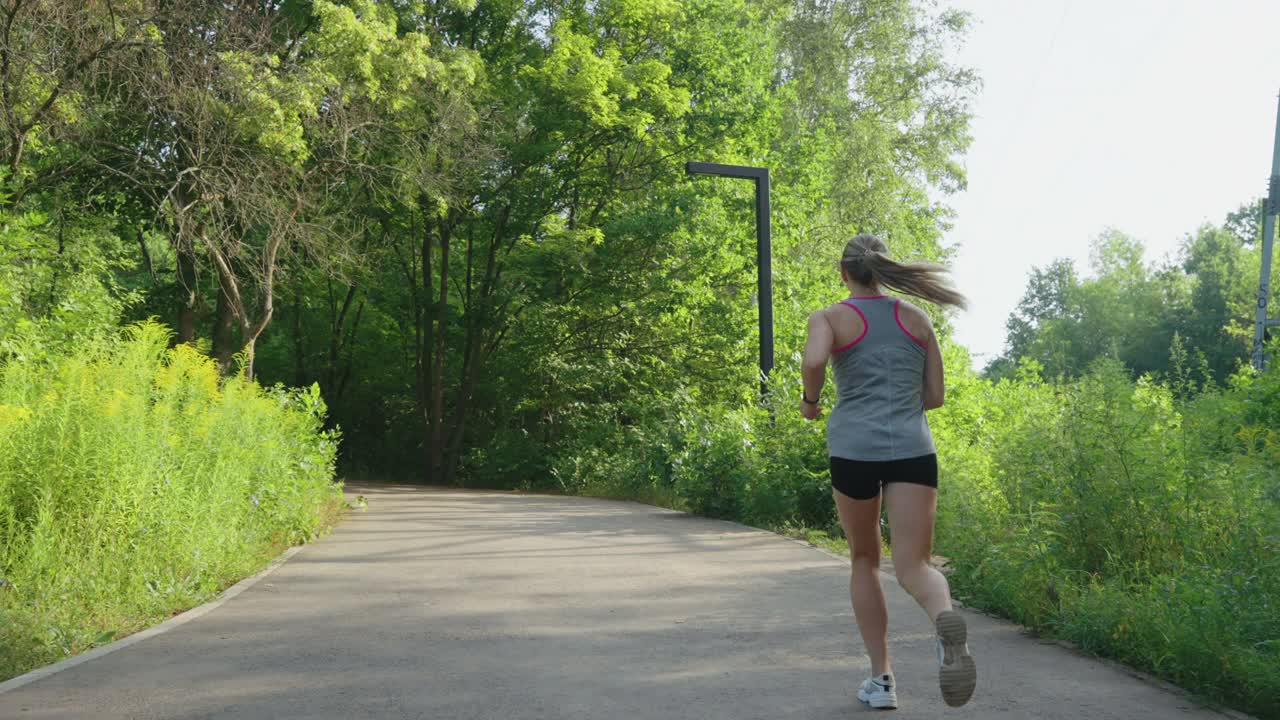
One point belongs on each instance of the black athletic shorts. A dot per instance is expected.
(861, 479)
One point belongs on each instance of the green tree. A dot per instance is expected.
(474, 215)
(1214, 258)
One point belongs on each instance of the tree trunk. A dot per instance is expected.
(478, 317)
(223, 336)
(422, 328)
(346, 369)
(188, 294)
(470, 371)
(248, 351)
(249, 330)
(337, 328)
(454, 449)
(16, 144)
(437, 371)
(146, 254)
(184, 241)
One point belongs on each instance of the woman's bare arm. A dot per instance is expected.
(817, 350)
(934, 384)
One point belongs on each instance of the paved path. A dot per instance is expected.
(456, 605)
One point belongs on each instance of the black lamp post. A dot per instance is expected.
(764, 261)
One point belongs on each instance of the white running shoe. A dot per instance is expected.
(878, 692)
(957, 673)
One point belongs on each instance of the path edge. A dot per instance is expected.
(41, 673)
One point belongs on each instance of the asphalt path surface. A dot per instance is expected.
(455, 605)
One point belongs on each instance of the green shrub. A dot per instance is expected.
(714, 472)
(135, 483)
(1139, 525)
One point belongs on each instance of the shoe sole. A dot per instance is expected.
(959, 674)
(879, 703)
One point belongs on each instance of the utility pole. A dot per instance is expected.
(764, 253)
(1270, 209)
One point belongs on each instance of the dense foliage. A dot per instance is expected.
(1137, 518)
(135, 483)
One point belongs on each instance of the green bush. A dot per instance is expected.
(713, 473)
(135, 483)
(1111, 513)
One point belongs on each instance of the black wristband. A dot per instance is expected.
(806, 400)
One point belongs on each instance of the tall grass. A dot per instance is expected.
(135, 483)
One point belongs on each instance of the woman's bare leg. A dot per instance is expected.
(911, 514)
(912, 509)
(861, 522)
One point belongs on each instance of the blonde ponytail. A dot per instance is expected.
(867, 261)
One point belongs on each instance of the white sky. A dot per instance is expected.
(1149, 116)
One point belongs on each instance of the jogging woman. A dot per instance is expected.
(888, 371)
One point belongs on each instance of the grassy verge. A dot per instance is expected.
(135, 484)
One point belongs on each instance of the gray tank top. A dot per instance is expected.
(879, 412)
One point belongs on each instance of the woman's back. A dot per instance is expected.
(879, 379)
